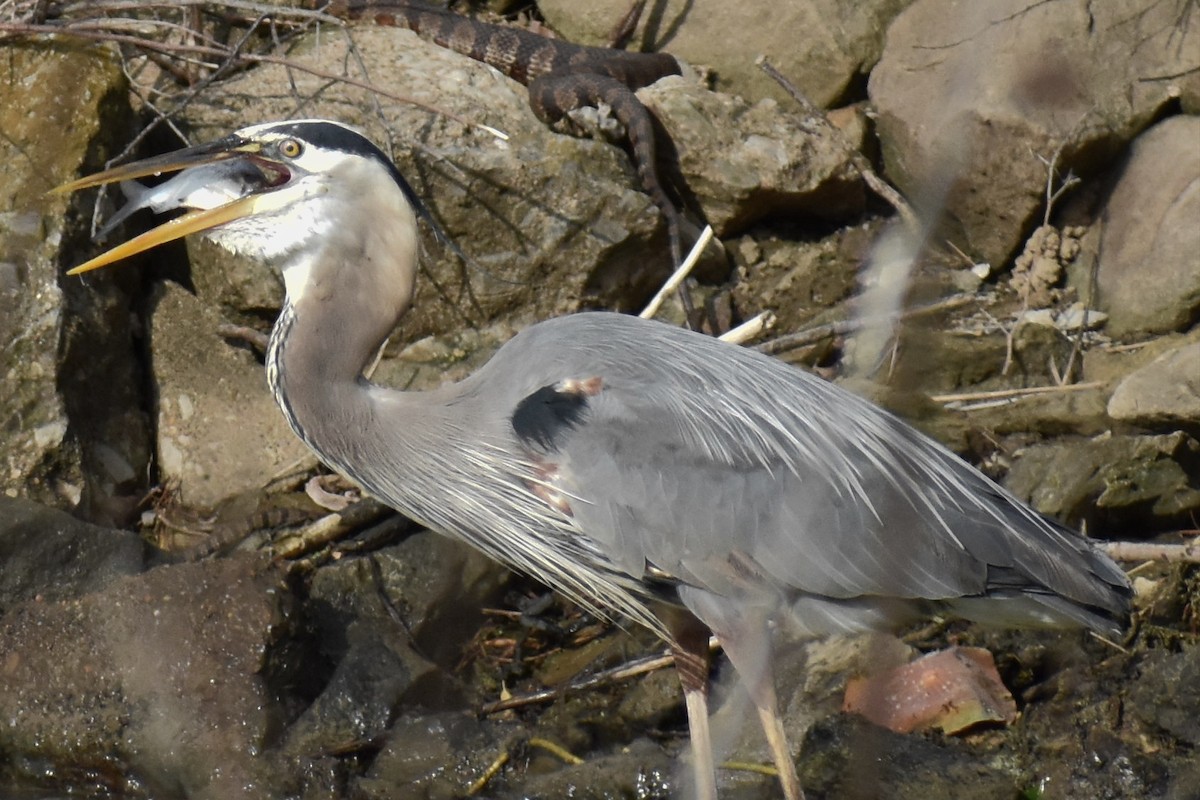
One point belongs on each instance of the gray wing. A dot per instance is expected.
(740, 476)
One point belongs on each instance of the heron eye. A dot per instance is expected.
(291, 148)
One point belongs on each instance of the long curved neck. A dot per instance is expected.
(344, 297)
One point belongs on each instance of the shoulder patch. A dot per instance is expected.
(544, 417)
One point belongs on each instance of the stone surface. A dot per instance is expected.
(49, 555)
(158, 681)
(1164, 392)
(1149, 269)
(970, 95)
(798, 281)
(833, 765)
(71, 429)
(220, 431)
(436, 585)
(746, 162)
(436, 756)
(641, 770)
(1174, 712)
(826, 48)
(1110, 481)
(364, 694)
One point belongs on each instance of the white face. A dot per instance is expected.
(291, 216)
(332, 201)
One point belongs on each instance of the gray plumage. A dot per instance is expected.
(737, 476)
(638, 468)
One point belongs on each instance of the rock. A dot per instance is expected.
(1149, 272)
(1169, 695)
(640, 770)
(951, 690)
(1111, 482)
(49, 555)
(220, 431)
(436, 756)
(1038, 270)
(825, 48)
(1164, 392)
(72, 433)
(440, 587)
(910, 767)
(748, 162)
(364, 693)
(969, 96)
(430, 362)
(437, 585)
(159, 681)
(798, 281)
(384, 665)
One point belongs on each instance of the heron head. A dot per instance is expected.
(266, 190)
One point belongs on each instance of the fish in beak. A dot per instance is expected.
(218, 182)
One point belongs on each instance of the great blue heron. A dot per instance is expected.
(640, 469)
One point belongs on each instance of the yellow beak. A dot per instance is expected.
(191, 222)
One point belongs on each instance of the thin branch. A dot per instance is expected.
(1147, 551)
(844, 327)
(750, 329)
(175, 49)
(623, 672)
(1009, 394)
(680, 275)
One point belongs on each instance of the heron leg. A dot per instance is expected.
(772, 724)
(745, 635)
(689, 645)
(704, 770)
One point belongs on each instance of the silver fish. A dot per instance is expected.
(202, 187)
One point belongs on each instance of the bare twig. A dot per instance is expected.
(750, 329)
(624, 672)
(1188, 553)
(1009, 394)
(680, 274)
(230, 58)
(557, 750)
(480, 783)
(330, 528)
(844, 327)
(1068, 183)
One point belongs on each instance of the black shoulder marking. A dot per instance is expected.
(542, 418)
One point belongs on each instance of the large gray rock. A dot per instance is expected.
(971, 96)
(159, 680)
(50, 555)
(72, 432)
(1164, 392)
(1149, 269)
(746, 162)
(396, 624)
(825, 47)
(220, 431)
(1111, 481)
